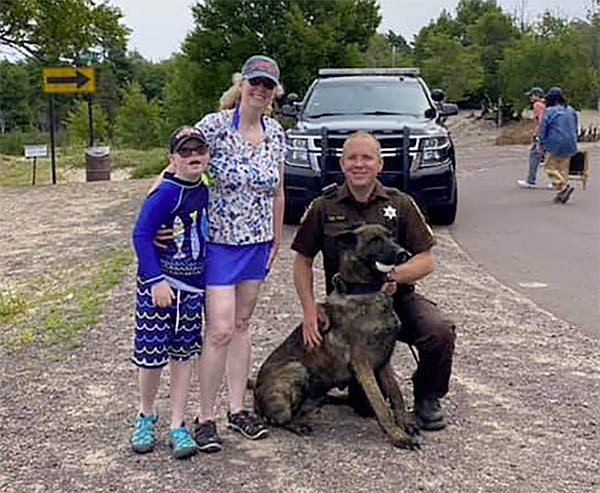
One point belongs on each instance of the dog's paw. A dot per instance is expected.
(412, 425)
(401, 439)
(407, 442)
(300, 429)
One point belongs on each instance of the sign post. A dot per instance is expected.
(52, 140)
(66, 80)
(35, 151)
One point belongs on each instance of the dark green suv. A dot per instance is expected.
(394, 105)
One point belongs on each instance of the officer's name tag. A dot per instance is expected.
(335, 219)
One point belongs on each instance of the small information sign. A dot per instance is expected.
(35, 150)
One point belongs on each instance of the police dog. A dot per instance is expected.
(359, 329)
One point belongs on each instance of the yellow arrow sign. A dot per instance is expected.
(68, 79)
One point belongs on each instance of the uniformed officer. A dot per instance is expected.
(363, 199)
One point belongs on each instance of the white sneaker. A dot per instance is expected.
(525, 184)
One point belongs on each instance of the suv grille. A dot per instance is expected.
(391, 150)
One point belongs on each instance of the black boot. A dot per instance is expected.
(429, 413)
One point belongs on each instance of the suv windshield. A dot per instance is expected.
(357, 97)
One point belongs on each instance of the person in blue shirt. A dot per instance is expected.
(558, 136)
(170, 288)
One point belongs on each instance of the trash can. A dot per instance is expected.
(97, 163)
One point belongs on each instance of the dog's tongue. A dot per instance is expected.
(383, 267)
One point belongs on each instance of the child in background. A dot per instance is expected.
(170, 289)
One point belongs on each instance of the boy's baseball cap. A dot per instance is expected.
(538, 91)
(184, 133)
(261, 66)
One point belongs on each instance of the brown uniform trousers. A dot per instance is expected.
(432, 333)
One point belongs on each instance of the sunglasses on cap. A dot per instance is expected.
(265, 81)
(188, 151)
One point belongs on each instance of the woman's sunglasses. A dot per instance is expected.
(188, 151)
(265, 81)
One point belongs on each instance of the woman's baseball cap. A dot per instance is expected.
(260, 66)
(184, 133)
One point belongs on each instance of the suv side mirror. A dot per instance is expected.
(289, 110)
(448, 109)
(438, 95)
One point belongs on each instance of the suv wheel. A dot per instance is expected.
(445, 214)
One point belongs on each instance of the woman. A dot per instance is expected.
(245, 215)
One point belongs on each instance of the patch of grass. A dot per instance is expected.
(11, 305)
(67, 303)
(78, 308)
(17, 170)
(151, 159)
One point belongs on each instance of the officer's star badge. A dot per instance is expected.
(389, 212)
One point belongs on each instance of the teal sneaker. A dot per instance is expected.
(182, 443)
(142, 437)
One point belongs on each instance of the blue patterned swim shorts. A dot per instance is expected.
(173, 332)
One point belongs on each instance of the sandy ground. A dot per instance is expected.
(523, 408)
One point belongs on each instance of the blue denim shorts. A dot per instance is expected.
(173, 332)
(227, 265)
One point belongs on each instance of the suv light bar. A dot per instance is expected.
(331, 72)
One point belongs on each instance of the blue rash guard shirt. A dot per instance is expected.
(180, 205)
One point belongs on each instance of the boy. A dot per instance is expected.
(536, 153)
(170, 288)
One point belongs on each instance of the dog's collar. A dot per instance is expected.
(345, 287)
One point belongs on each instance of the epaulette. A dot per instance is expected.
(330, 190)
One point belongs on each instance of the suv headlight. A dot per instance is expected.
(432, 151)
(296, 153)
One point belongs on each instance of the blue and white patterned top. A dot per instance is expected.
(240, 206)
(180, 205)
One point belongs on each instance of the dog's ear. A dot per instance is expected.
(346, 240)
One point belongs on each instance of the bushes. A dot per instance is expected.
(13, 142)
(77, 124)
(138, 123)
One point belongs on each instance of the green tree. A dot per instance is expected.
(491, 33)
(138, 122)
(555, 53)
(149, 75)
(15, 107)
(301, 35)
(469, 13)
(107, 92)
(77, 124)
(451, 66)
(59, 29)
(181, 96)
(382, 53)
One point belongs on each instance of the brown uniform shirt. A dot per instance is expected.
(335, 211)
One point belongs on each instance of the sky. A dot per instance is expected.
(159, 27)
